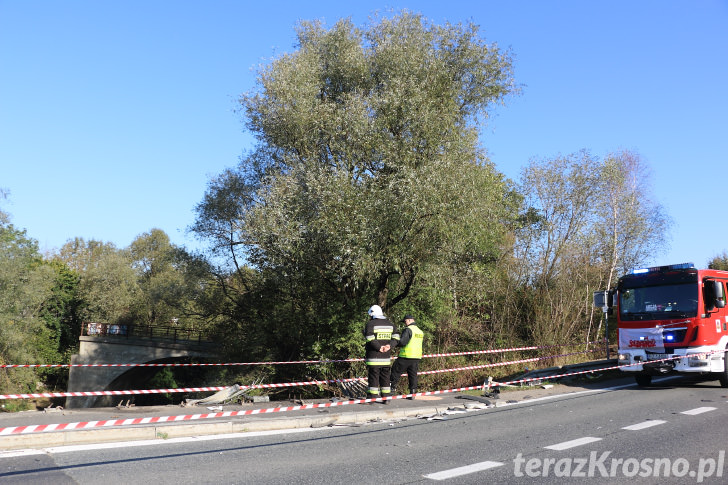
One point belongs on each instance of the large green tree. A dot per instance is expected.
(26, 284)
(39, 304)
(150, 282)
(174, 285)
(152, 257)
(368, 172)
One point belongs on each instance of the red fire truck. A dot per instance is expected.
(673, 319)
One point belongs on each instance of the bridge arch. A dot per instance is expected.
(116, 350)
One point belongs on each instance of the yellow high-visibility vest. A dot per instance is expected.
(413, 349)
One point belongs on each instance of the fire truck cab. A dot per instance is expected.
(672, 319)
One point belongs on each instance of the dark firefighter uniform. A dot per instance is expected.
(379, 331)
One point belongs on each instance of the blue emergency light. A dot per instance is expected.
(655, 269)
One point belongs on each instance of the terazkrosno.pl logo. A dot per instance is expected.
(601, 465)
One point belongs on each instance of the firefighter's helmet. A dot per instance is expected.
(375, 311)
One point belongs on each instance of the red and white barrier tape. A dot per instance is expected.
(500, 364)
(258, 386)
(173, 364)
(515, 349)
(15, 430)
(557, 376)
(39, 428)
(426, 356)
(18, 430)
(110, 393)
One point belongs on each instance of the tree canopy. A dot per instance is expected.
(368, 164)
(26, 284)
(592, 220)
(368, 170)
(719, 261)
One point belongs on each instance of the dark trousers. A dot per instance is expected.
(379, 379)
(400, 366)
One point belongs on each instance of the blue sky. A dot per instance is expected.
(114, 115)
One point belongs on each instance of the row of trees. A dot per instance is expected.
(45, 298)
(367, 185)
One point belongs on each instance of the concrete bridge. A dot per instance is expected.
(126, 344)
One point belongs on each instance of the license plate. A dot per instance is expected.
(658, 356)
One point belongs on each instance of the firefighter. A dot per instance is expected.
(410, 354)
(381, 337)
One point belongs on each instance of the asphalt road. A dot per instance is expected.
(674, 432)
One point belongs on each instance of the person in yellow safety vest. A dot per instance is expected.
(381, 336)
(410, 354)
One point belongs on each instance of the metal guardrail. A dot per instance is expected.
(155, 332)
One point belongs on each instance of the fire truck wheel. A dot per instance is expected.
(723, 376)
(643, 380)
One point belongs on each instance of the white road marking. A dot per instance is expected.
(693, 412)
(573, 443)
(463, 470)
(645, 424)
(14, 453)
(588, 391)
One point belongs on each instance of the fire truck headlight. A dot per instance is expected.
(623, 358)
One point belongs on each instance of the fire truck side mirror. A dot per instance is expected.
(719, 292)
(714, 294)
(612, 300)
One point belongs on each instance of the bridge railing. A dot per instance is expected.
(156, 332)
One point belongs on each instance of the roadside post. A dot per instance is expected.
(601, 300)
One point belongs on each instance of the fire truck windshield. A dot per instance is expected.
(658, 302)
